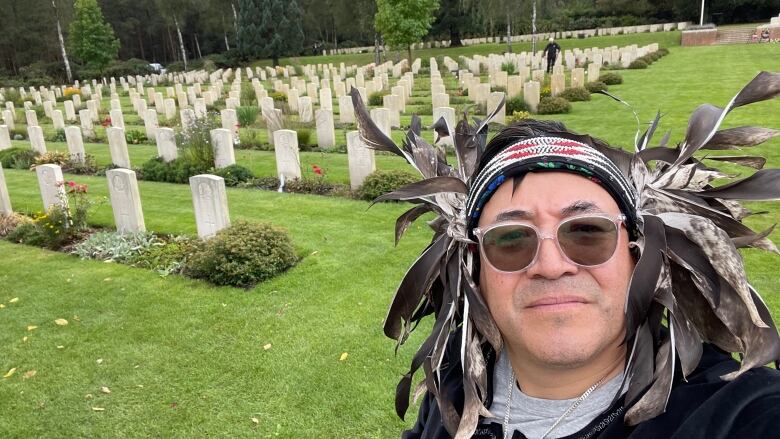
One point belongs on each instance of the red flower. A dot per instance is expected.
(106, 122)
(71, 183)
(317, 170)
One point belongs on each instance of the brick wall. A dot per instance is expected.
(703, 37)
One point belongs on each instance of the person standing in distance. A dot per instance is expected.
(551, 51)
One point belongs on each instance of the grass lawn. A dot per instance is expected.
(185, 359)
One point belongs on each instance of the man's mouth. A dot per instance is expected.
(557, 302)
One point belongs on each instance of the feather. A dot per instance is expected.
(734, 138)
(645, 139)
(482, 318)
(442, 129)
(756, 162)
(370, 134)
(757, 241)
(466, 149)
(474, 372)
(407, 218)
(653, 402)
(668, 155)
(766, 85)
(645, 273)
(725, 258)
(415, 283)
(424, 188)
(641, 366)
(764, 184)
(665, 139)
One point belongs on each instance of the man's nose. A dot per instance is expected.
(550, 263)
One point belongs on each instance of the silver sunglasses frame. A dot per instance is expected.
(480, 233)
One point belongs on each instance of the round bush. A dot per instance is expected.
(556, 105)
(663, 51)
(516, 104)
(233, 174)
(596, 86)
(638, 64)
(243, 255)
(611, 78)
(375, 99)
(381, 182)
(577, 94)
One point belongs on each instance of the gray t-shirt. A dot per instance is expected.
(534, 416)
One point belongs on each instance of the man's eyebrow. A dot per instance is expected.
(514, 214)
(581, 206)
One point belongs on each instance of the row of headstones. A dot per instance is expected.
(209, 198)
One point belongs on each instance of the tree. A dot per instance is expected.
(404, 22)
(279, 31)
(62, 42)
(91, 39)
(249, 40)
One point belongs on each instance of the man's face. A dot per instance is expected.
(588, 319)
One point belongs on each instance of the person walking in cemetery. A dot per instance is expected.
(582, 291)
(551, 51)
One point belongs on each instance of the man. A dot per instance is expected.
(551, 50)
(579, 292)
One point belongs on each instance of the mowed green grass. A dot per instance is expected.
(184, 359)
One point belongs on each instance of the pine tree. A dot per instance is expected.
(249, 39)
(91, 39)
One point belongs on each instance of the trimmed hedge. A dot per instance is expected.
(611, 78)
(577, 94)
(556, 105)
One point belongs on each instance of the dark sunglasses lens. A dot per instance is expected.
(510, 247)
(588, 241)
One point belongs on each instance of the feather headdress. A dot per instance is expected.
(687, 237)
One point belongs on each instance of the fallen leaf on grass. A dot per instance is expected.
(314, 252)
(343, 356)
(29, 374)
(88, 396)
(10, 373)
(77, 318)
(267, 346)
(174, 405)
(2, 306)
(14, 300)
(32, 327)
(60, 347)
(98, 409)
(108, 279)
(105, 390)
(255, 421)
(24, 339)
(99, 361)
(61, 322)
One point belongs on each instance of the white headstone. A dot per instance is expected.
(5, 137)
(117, 146)
(531, 95)
(5, 199)
(346, 110)
(578, 78)
(125, 200)
(361, 159)
(230, 121)
(37, 142)
(150, 123)
(87, 129)
(326, 136)
(305, 112)
(8, 119)
(57, 120)
(52, 185)
(326, 99)
(187, 117)
(494, 99)
(75, 143)
(381, 117)
(70, 111)
(448, 113)
(166, 144)
(288, 163)
(222, 143)
(170, 109)
(32, 118)
(209, 200)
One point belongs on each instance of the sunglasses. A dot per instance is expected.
(585, 240)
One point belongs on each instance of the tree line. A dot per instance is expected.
(231, 31)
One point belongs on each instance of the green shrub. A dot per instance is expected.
(596, 86)
(611, 78)
(54, 158)
(59, 136)
(577, 94)
(18, 134)
(556, 105)
(247, 115)
(135, 137)
(509, 68)
(176, 171)
(375, 99)
(243, 255)
(250, 139)
(166, 259)
(13, 95)
(517, 116)
(115, 246)
(381, 182)
(638, 64)
(663, 51)
(515, 104)
(195, 143)
(248, 92)
(278, 96)
(304, 137)
(233, 174)
(546, 91)
(18, 157)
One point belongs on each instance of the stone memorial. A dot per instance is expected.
(5, 137)
(166, 144)
(150, 123)
(326, 136)
(222, 143)
(32, 118)
(125, 200)
(557, 84)
(37, 142)
(288, 163)
(57, 120)
(117, 146)
(75, 144)
(5, 199)
(346, 110)
(494, 99)
(381, 117)
(52, 185)
(326, 99)
(305, 112)
(531, 95)
(578, 77)
(87, 128)
(361, 160)
(8, 119)
(117, 119)
(230, 121)
(209, 200)
(448, 113)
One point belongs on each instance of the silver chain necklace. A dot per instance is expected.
(560, 419)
